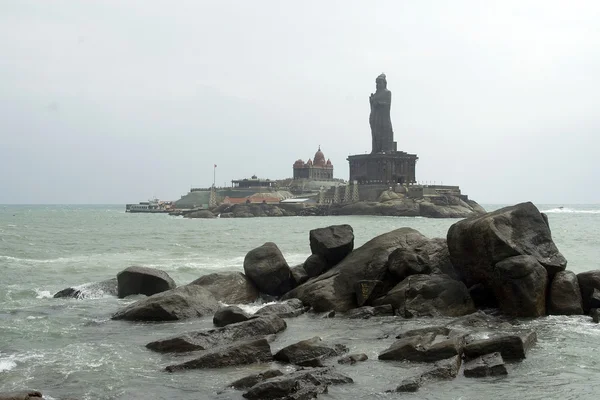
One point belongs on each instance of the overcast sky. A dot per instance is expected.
(117, 101)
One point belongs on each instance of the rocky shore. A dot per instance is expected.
(389, 204)
(488, 272)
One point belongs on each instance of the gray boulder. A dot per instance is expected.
(478, 243)
(430, 295)
(446, 369)
(286, 309)
(588, 282)
(268, 270)
(90, 290)
(315, 265)
(229, 315)
(510, 346)
(229, 287)
(333, 243)
(184, 302)
(251, 380)
(143, 280)
(487, 365)
(367, 291)
(208, 339)
(404, 262)
(367, 312)
(425, 348)
(299, 274)
(309, 352)
(353, 358)
(565, 295)
(239, 353)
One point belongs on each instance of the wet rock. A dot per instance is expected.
(315, 265)
(404, 262)
(299, 274)
(409, 385)
(430, 295)
(367, 291)
(21, 395)
(595, 314)
(367, 312)
(229, 287)
(299, 385)
(487, 365)
(435, 330)
(309, 352)
(445, 369)
(335, 289)
(251, 380)
(286, 309)
(482, 296)
(268, 270)
(95, 289)
(520, 284)
(510, 346)
(184, 302)
(229, 315)
(478, 319)
(333, 243)
(565, 295)
(143, 280)
(588, 281)
(425, 348)
(353, 359)
(207, 339)
(238, 353)
(200, 214)
(478, 243)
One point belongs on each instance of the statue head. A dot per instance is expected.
(381, 82)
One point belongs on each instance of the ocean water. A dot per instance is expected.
(70, 348)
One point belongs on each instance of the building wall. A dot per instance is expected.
(383, 168)
(313, 173)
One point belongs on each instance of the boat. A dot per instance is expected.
(153, 206)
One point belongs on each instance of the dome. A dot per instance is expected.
(309, 162)
(329, 162)
(299, 163)
(319, 158)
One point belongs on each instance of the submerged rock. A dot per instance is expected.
(93, 290)
(268, 270)
(510, 346)
(229, 287)
(424, 348)
(251, 380)
(445, 369)
(487, 365)
(143, 280)
(309, 352)
(353, 358)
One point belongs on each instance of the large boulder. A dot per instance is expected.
(486, 365)
(430, 295)
(510, 346)
(424, 348)
(229, 315)
(565, 295)
(207, 339)
(266, 267)
(251, 380)
(238, 353)
(90, 290)
(333, 243)
(315, 265)
(335, 289)
(307, 351)
(184, 302)
(286, 309)
(520, 284)
(143, 280)
(588, 282)
(229, 287)
(478, 243)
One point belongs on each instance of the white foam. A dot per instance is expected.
(254, 307)
(42, 294)
(7, 364)
(565, 210)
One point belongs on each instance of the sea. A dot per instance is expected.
(71, 349)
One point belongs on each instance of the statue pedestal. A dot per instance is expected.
(396, 167)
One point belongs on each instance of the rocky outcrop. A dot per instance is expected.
(229, 287)
(143, 280)
(565, 295)
(184, 302)
(309, 352)
(286, 309)
(207, 339)
(429, 295)
(205, 214)
(268, 270)
(239, 353)
(588, 282)
(90, 290)
(487, 365)
(332, 243)
(21, 395)
(229, 315)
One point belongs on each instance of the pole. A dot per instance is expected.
(214, 174)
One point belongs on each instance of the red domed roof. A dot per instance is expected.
(309, 162)
(319, 158)
(329, 162)
(299, 163)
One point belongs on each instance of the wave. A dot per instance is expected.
(7, 364)
(565, 210)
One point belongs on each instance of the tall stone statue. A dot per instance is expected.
(380, 120)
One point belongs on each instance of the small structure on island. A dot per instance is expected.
(317, 169)
(253, 182)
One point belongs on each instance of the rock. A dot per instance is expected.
(21, 395)
(268, 270)
(478, 322)
(367, 291)
(229, 315)
(367, 312)
(229, 287)
(430, 209)
(425, 348)
(520, 284)
(404, 262)
(287, 309)
(303, 384)
(565, 295)
(335, 289)
(208, 339)
(435, 330)
(200, 214)
(588, 281)
(143, 280)
(239, 353)
(251, 380)
(409, 385)
(315, 265)
(482, 296)
(430, 295)
(445, 369)
(299, 274)
(511, 347)
(184, 302)
(333, 243)
(308, 350)
(595, 299)
(353, 359)
(87, 290)
(595, 313)
(478, 243)
(487, 365)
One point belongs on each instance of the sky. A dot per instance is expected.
(112, 101)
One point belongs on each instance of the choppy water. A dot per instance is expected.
(71, 349)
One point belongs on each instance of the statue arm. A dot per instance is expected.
(385, 100)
